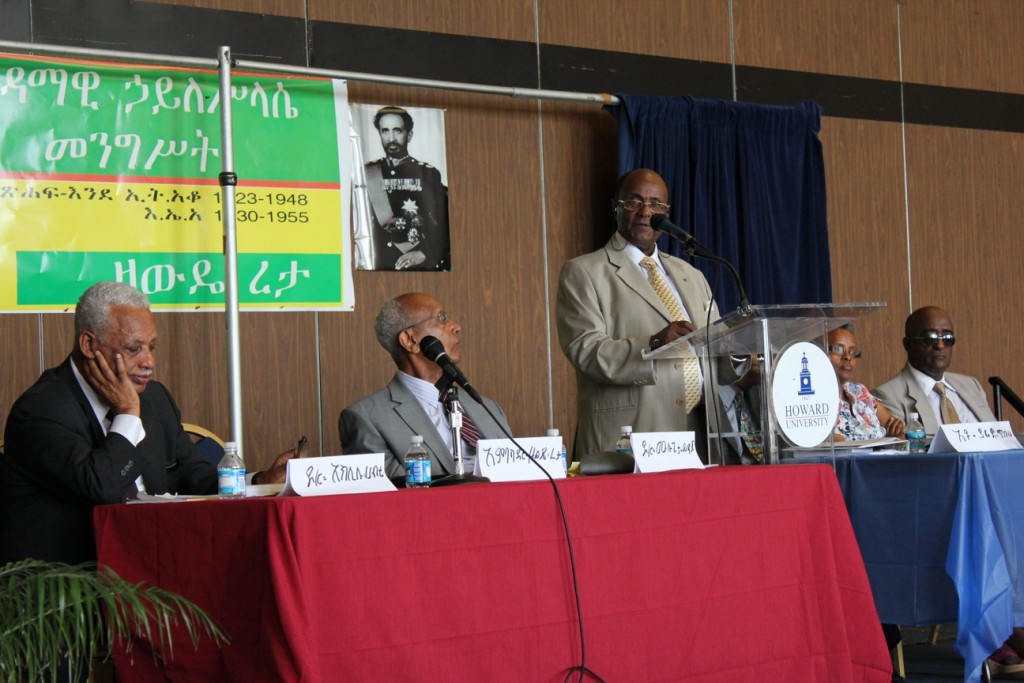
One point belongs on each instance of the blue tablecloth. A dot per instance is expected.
(942, 536)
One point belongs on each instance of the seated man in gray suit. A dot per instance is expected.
(386, 420)
(923, 386)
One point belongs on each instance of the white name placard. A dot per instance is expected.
(501, 460)
(974, 436)
(664, 451)
(336, 474)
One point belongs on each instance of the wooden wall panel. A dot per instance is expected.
(974, 44)
(278, 406)
(58, 337)
(508, 20)
(579, 173)
(20, 346)
(867, 235)
(686, 29)
(831, 37)
(965, 242)
(192, 363)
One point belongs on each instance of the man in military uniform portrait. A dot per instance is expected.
(408, 201)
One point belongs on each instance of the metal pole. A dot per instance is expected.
(228, 180)
(523, 93)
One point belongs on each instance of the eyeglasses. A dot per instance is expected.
(932, 338)
(441, 317)
(634, 204)
(842, 350)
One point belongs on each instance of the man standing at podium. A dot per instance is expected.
(616, 302)
(923, 386)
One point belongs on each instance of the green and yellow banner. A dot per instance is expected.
(110, 172)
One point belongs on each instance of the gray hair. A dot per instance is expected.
(92, 314)
(392, 319)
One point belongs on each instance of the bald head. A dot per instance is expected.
(403, 321)
(922, 319)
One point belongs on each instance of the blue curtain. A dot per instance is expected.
(747, 180)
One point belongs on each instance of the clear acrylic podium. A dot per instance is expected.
(756, 334)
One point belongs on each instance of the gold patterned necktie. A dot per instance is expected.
(691, 370)
(949, 414)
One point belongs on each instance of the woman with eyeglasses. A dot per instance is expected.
(861, 417)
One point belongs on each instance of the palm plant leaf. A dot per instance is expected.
(50, 611)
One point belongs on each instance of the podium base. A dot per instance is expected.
(456, 479)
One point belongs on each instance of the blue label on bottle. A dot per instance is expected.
(417, 472)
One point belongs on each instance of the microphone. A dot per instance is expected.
(660, 221)
(433, 349)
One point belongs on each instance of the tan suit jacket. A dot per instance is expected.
(902, 395)
(606, 313)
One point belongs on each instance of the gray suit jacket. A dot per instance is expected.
(902, 395)
(606, 313)
(385, 421)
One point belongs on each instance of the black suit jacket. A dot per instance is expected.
(58, 464)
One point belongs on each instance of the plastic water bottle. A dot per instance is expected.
(623, 445)
(565, 460)
(231, 473)
(916, 435)
(417, 464)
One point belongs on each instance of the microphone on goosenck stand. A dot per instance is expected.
(660, 222)
(433, 349)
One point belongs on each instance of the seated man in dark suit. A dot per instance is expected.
(93, 430)
(923, 386)
(385, 421)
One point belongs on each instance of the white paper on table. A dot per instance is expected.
(664, 451)
(501, 459)
(969, 437)
(363, 473)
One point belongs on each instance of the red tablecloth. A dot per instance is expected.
(728, 574)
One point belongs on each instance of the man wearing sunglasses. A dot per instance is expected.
(924, 386)
(385, 421)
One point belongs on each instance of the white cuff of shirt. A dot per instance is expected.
(130, 427)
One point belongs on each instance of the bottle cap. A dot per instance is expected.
(627, 429)
(915, 416)
(230, 446)
(553, 432)
(417, 439)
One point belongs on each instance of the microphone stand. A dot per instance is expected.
(454, 410)
(691, 246)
